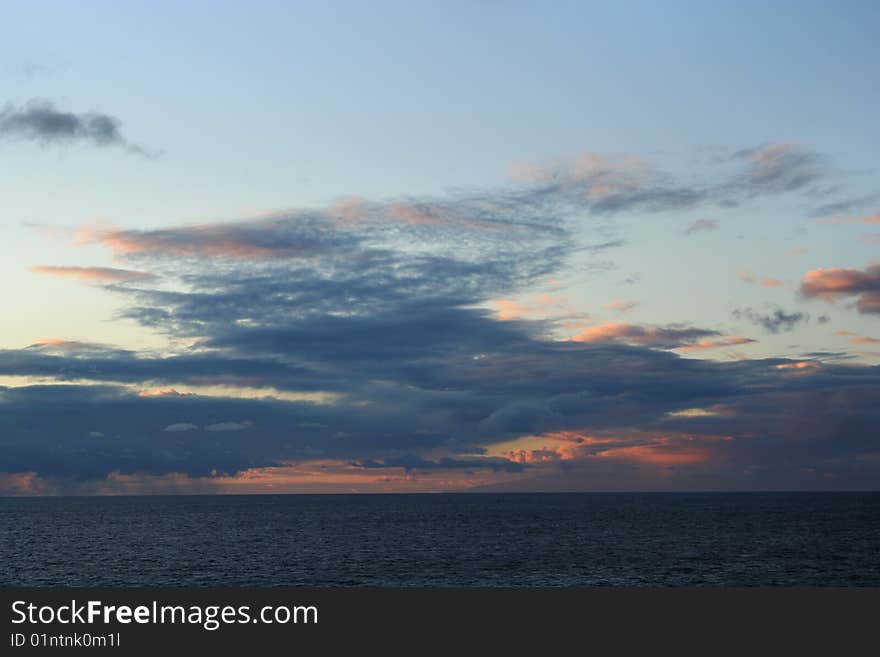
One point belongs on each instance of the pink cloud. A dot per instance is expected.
(703, 345)
(855, 338)
(836, 283)
(267, 237)
(873, 219)
(621, 306)
(669, 337)
(599, 176)
(102, 274)
(166, 392)
(745, 275)
(770, 282)
(415, 215)
(508, 309)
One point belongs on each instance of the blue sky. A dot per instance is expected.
(415, 115)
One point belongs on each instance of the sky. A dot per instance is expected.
(461, 246)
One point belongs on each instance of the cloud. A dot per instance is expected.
(180, 426)
(229, 426)
(166, 392)
(413, 463)
(855, 338)
(776, 169)
(101, 274)
(747, 276)
(703, 345)
(700, 225)
(389, 323)
(664, 337)
(40, 121)
(872, 219)
(282, 237)
(621, 306)
(610, 185)
(845, 205)
(840, 283)
(776, 321)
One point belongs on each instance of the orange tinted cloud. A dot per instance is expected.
(167, 392)
(102, 274)
(798, 251)
(671, 337)
(745, 275)
(835, 283)
(621, 306)
(665, 454)
(873, 219)
(315, 476)
(23, 483)
(657, 450)
(267, 237)
(60, 343)
(508, 309)
(600, 176)
(765, 281)
(703, 345)
(415, 215)
(348, 210)
(800, 367)
(855, 338)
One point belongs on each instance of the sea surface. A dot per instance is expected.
(657, 539)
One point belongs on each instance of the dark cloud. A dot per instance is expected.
(42, 122)
(776, 320)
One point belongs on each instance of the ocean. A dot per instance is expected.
(592, 539)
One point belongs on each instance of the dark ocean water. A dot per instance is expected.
(443, 540)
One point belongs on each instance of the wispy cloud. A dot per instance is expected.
(700, 226)
(100, 274)
(855, 338)
(868, 219)
(747, 276)
(621, 306)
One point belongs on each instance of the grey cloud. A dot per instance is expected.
(42, 122)
(700, 225)
(845, 205)
(775, 321)
(777, 169)
(229, 426)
